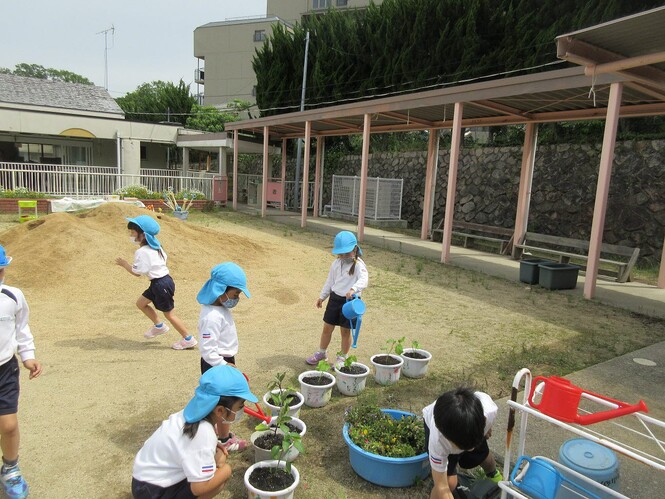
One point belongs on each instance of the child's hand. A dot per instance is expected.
(34, 366)
(220, 455)
(349, 294)
(122, 262)
(319, 303)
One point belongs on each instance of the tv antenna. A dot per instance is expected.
(106, 52)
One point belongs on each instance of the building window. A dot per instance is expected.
(320, 4)
(342, 3)
(144, 153)
(259, 35)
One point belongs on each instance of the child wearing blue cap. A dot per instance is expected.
(347, 276)
(15, 335)
(150, 261)
(182, 459)
(218, 336)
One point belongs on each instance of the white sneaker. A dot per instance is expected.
(339, 361)
(184, 344)
(156, 331)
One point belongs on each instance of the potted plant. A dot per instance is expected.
(386, 447)
(277, 394)
(387, 366)
(351, 376)
(416, 361)
(276, 478)
(270, 436)
(316, 386)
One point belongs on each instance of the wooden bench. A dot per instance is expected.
(470, 232)
(564, 248)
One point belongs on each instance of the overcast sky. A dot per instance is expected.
(153, 39)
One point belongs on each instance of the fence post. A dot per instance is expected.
(376, 200)
(353, 199)
(76, 184)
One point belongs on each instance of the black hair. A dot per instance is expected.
(190, 429)
(133, 226)
(459, 416)
(355, 252)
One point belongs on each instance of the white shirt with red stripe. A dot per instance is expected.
(149, 262)
(218, 336)
(339, 280)
(439, 447)
(168, 456)
(15, 334)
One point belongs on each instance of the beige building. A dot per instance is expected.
(225, 49)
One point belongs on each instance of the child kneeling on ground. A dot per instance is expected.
(457, 427)
(182, 459)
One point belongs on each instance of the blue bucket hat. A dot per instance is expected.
(218, 381)
(150, 228)
(4, 259)
(221, 277)
(344, 242)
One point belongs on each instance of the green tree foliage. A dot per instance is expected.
(38, 71)
(158, 101)
(211, 119)
(402, 45)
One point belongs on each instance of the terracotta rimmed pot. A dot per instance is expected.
(415, 367)
(316, 395)
(352, 384)
(387, 374)
(286, 493)
(294, 411)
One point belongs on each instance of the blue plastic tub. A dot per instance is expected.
(592, 460)
(387, 471)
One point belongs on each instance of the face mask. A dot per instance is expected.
(239, 416)
(133, 240)
(230, 303)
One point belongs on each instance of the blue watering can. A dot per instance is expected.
(353, 310)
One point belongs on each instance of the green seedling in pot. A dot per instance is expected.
(349, 360)
(322, 367)
(283, 395)
(415, 345)
(395, 345)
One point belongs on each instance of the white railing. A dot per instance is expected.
(245, 179)
(86, 182)
(383, 200)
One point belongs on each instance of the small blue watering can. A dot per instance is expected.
(353, 310)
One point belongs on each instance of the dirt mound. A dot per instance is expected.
(82, 247)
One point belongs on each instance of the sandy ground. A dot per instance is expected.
(105, 389)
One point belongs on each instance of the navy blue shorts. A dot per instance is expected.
(9, 387)
(333, 314)
(468, 459)
(205, 366)
(145, 490)
(161, 292)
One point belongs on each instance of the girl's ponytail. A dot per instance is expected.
(355, 259)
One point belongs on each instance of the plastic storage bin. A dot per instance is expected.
(592, 460)
(529, 269)
(557, 275)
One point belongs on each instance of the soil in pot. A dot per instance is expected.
(271, 479)
(316, 380)
(268, 441)
(291, 427)
(355, 370)
(292, 400)
(386, 360)
(413, 355)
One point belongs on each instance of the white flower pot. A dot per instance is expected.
(316, 395)
(387, 375)
(415, 368)
(265, 454)
(294, 411)
(351, 384)
(254, 493)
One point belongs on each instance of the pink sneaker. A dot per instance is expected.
(315, 358)
(156, 331)
(184, 344)
(234, 444)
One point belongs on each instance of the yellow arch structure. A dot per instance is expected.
(77, 132)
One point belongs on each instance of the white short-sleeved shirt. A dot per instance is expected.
(149, 262)
(15, 332)
(439, 446)
(339, 281)
(218, 336)
(169, 456)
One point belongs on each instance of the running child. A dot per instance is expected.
(457, 426)
(218, 336)
(182, 459)
(150, 261)
(15, 336)
(347, 277)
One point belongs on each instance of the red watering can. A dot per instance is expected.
(560, 399)
(258, 413)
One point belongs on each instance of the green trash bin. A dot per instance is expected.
(529, 269)
(558, 275)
